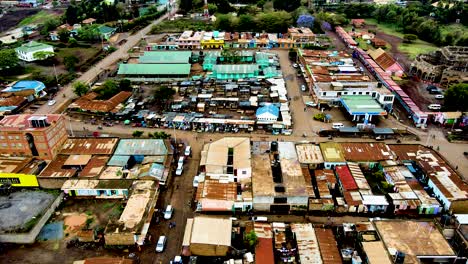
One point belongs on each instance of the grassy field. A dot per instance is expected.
(389, 29)
(82, 53)
(38, 18)
(413, 49)
(416, 48)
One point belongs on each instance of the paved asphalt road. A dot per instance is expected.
(91, 74)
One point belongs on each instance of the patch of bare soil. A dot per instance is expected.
(12, 18)
(395, 42)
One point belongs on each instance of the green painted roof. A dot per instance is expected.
(103, 29)
(33, 46)
(235, 68)
(166, 57)
(361, 104)
(154, 69)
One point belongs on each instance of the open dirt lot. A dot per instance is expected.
(12, 18)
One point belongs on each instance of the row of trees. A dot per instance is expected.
(422, 20)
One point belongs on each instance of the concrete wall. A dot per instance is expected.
(208, 250)
(30, 237)
(120, 239)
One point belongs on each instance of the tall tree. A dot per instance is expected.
(287, 5)
(247, 23)
(186, 6)
(80, 88)
(8, 59)
(456, 97)
(70, 62)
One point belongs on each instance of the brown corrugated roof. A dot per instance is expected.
(54, 169)
(328, 246)
(94, 166)
(366, 151)
(87, 102)
(213, 189)
(384, 60)
(12, 101)
(93, 146)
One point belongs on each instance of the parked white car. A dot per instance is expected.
(188, 151)
(161, 244)
(168, 212)
(180, 169)
(439, 96)
(196, 180)
(51, 102)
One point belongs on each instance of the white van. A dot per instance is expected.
(180, 169)
(161, 244)
(188, 150)
(337, 125)
(434, 106)
(181, 160)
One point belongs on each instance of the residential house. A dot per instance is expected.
(106, 32)
(26, 51)
(115, 189)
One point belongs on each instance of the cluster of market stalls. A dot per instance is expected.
(197, 122)
(224, 106)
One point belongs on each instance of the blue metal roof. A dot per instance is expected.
(26, 85)
(268, 109)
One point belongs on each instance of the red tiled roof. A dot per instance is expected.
(346, 178)
(264, 251)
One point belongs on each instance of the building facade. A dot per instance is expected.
(32, 135)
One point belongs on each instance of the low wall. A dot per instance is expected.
(30, 237)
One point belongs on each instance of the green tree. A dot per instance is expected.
(125, 85)
(456, 97)
(70, 62)
(287, 5)
(89, 33)
(251, 239)
(275, 21)
(212, 9)
(246, 23)
(163, 94)
(80, 88)
(223, 22)
(108, 89)
(185, 6)
(161, 135)
(224, 6)
(71, 15)
(43, 55)
(49, 25)
(55, 3)
(137, 133)
(64, 35)
(409, 38)
(72, 42)
(8, 59)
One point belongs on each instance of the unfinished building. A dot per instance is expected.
(446, 66)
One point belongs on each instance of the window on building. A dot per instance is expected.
(10, 137)
(280, 200)
(360, 93)
(17, 137)
(354, 93)
(324, 93)
(388, 98)
(339, 93)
